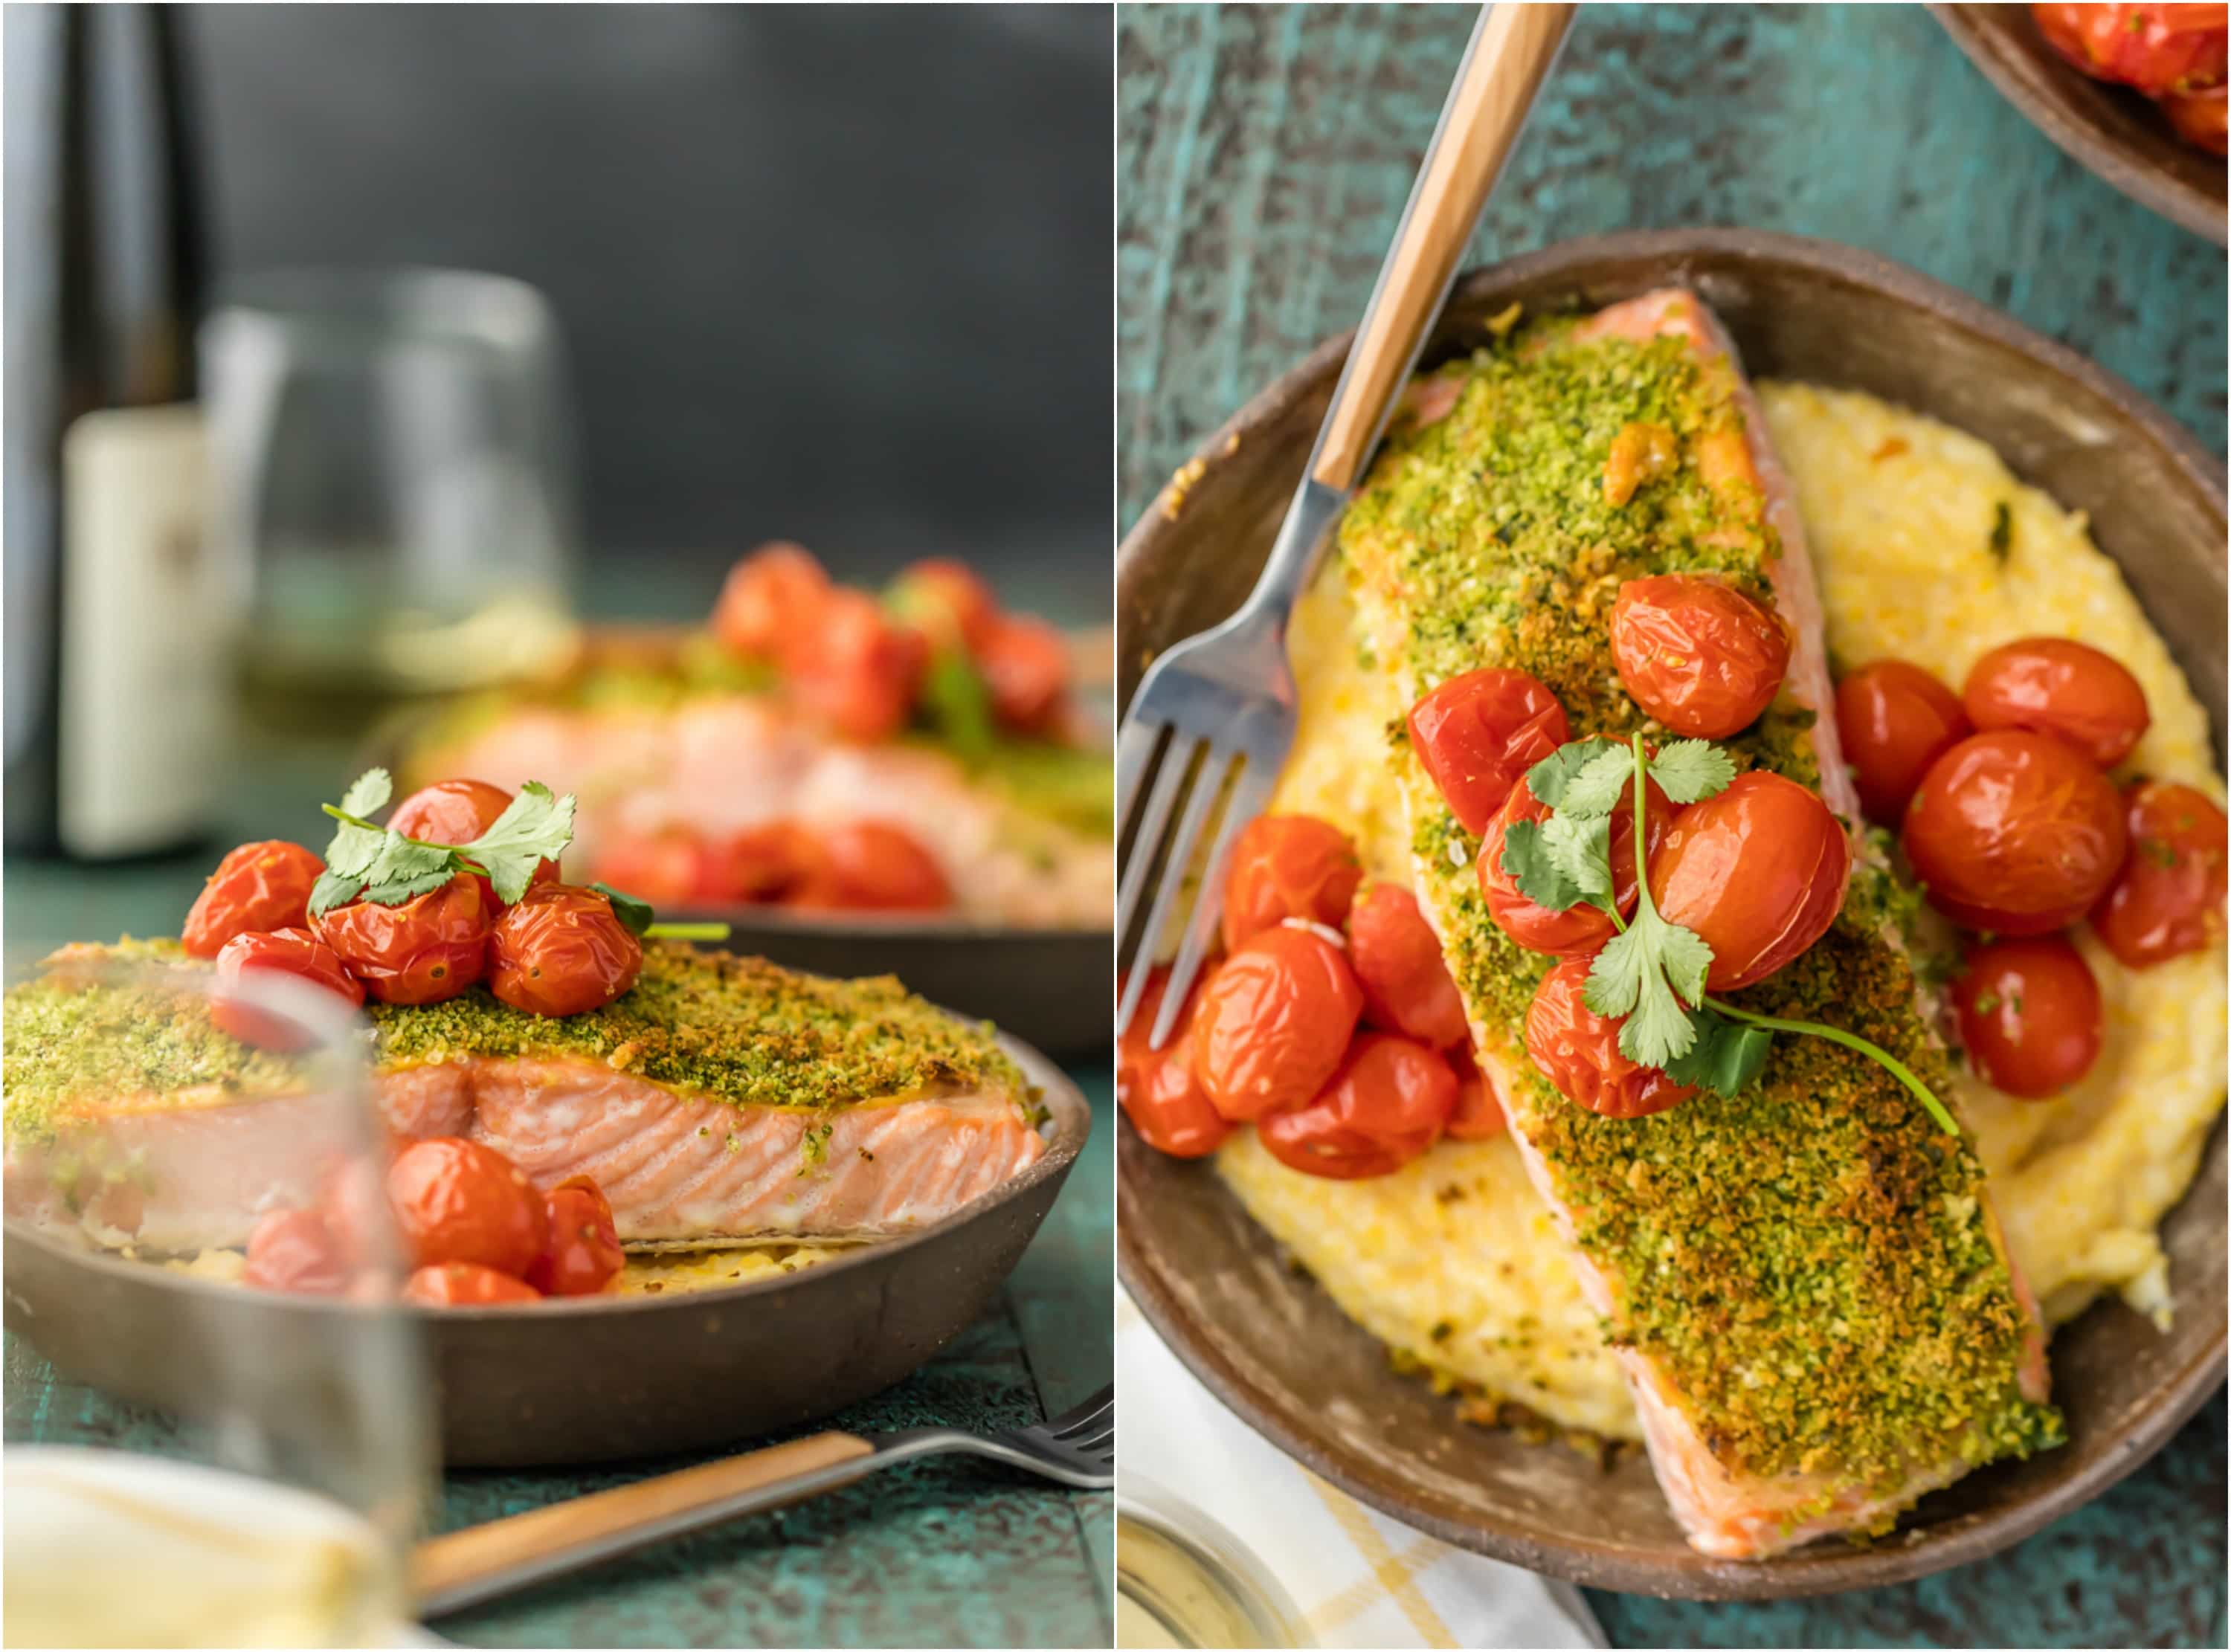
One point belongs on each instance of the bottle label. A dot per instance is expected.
(142, 633)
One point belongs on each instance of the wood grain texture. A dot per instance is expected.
(1265, 154)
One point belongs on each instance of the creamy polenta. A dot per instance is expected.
(1927, 549)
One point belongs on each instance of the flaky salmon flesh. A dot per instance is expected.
(722, 1100)
(1806, 1285)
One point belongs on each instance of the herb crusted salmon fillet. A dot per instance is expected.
(1805, 1283)
(721, 1099)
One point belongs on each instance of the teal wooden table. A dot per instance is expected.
(1265, 154)
(942, 1552)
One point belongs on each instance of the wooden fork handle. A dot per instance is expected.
(461, 1566)
(1503, 68)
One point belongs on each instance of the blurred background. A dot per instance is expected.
(714, 275)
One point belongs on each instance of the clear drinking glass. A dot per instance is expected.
(234, 1453)
(392, 476)
(1183, 1580)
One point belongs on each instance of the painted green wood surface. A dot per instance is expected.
(1265, 154)
(945, 1551)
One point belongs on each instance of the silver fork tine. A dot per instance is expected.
(1215, 765)
(1159, 801)
(1070, 1422)
(1135, 749)
(1248, 798)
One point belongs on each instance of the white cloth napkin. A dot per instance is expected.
(1357, 1578)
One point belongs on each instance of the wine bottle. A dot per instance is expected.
(115, 657)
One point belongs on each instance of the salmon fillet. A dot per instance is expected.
(1806, 1285)
(721, 1100)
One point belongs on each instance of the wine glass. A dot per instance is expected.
(195, 1232)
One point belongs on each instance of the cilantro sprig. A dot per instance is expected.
(1653, 971)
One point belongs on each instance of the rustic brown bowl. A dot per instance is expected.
(1274, 1347)
(2119, 135)
(581, 1379)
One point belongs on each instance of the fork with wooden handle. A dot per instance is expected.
(481, 1562)
(1212, 719)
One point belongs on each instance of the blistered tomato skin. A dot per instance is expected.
(1697, 654)
(431, 947)
(2062, 688)
(1398, 963)
(1480, 1115)
(1584, 927)
(1389, 1102)
(1577, 1050)
(1273, 1022)
(458, 1201)
(2014, 832)
(561, 952)
(1895, 719)
(870, 866)
(256, 888)
(2200, 117)
(1478, 733)
(1758, 871)
(2168, 899)
(294, 952)
(758, 865)
(2161, 50)
(854, 668)
(667, 867)
(1287, 865)
(1025, 662)
(2029, 1014)
(582, 1253)
(456, 812)
(1167, 1106)
(294, 1251)
(466, 1285)
(770, 596)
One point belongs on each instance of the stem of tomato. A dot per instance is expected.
(688, 931)
(1897, 1069)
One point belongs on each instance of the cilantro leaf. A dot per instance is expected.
(1546, 779)
(1690, 771)
(396, 893)
(1582, 850)
(403, 860)
(368, 793)
(535, 828)
(354, 848)
(1593, 789)
(333, 889)
(634, 915)
(1531, 864)
(1631, 978)
(1726, 1059)
(1682, 953)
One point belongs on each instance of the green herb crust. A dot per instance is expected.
(736, 1030)
(1810, 1263)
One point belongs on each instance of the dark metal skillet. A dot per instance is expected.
(581, 1379)
(1274, 1347)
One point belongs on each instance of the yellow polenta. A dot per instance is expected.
(1453, 1261)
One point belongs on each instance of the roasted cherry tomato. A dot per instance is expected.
(456, 812)
(561, 952)
(458, 1201)
(1273, 1022)
(256, 888)
(1697, 654)
(1398, 963)
(1577, 1050)
(1025, 666)
(431, 947)
(2198, 118)
(466, 1285)
(294, 1251)
(1757, 871)
(1158, 1088)
(2029, 1014)
(1135, 1057)
(855, 668)
(583, 1253)
(1287, 865)
(1478, 733)
(1479, 1113)
(294, 952)
(760, 864)
(2060, 687)
(2016, 832)
(1895, 720)
(2159, 49)
(872, 866)
(668, 867)
(2168, 899)
(770, 599)
(946, 600)
(1388, 1103)
(1584, 927)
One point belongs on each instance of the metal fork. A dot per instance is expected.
(481, 1562)
(1213, 718)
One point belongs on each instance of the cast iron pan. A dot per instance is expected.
(588, 1379)
(1274, 1347)
(2111, 129)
